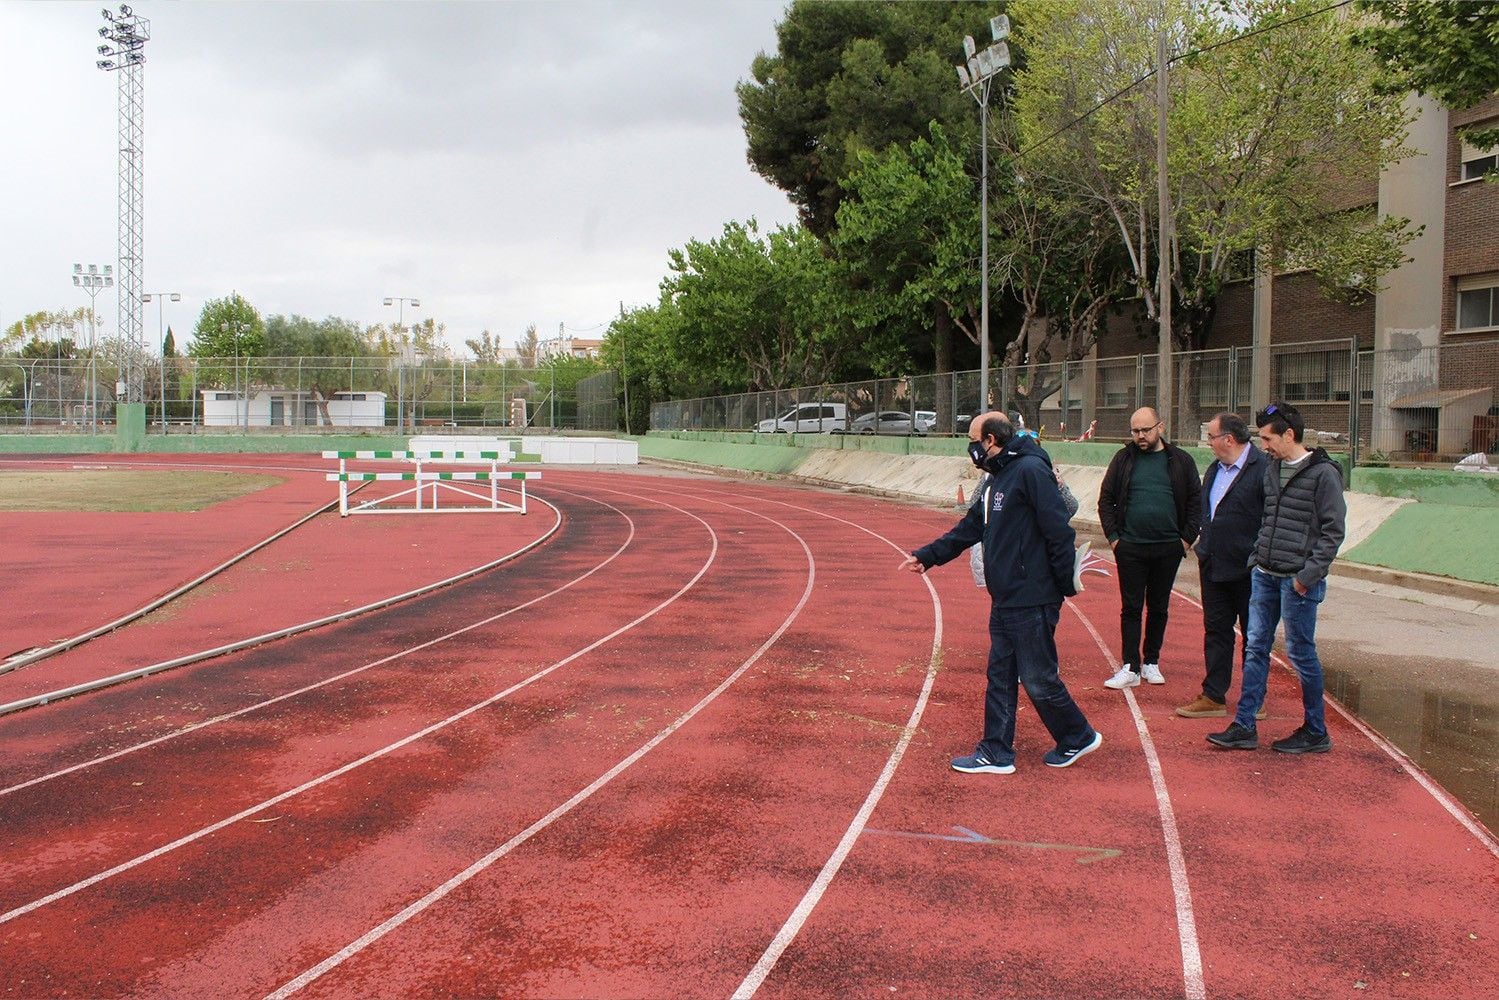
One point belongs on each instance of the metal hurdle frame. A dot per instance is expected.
(424, 480)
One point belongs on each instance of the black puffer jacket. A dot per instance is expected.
(1304, 523)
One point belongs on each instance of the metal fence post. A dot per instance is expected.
(1354, 393)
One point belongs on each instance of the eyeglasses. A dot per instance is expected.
(1214, 437)
(1143, 430)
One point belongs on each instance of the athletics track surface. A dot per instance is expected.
(708, 757)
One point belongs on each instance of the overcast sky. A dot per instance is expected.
(507, 163)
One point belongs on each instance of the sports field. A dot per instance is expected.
(661, 736)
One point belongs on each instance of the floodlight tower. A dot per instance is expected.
(976, 77)
(129, 33)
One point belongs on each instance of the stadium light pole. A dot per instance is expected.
(161, 344)
(93, 281)
(976, 77)
(400, 302)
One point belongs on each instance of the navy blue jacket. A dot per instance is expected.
(1225, 543)
(1020, 518)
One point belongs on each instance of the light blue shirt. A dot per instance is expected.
(1226, 476)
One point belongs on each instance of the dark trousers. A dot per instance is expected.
(1023, 652)
(1146, 573)
(1224, 604)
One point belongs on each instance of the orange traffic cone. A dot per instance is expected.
(961, 501)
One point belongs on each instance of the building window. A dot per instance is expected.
(1477, 308)
(1306, 378)
(1117, 385)
(1477, 162)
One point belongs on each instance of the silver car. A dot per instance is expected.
(893, 422)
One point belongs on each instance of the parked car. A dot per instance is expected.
(808, 418)
(893, 422)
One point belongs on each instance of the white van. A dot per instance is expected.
(808, 418)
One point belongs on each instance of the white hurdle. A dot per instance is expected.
(429, 482)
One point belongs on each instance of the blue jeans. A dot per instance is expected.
(1273, 599)
(1023, 650)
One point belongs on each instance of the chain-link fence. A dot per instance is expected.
(270, 395)
(1422, 404)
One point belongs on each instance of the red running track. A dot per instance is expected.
(716, 763)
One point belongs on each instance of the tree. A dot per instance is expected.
(755, 313)
(528, 348)
(641, 344)
(43, 325)
(907, 244)
(1254, 165)
(1447, 50)
(849, 78)
(852, 79)
(485, 348)
(228, 332)
(314, 355)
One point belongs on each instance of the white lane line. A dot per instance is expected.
(803, 909)
(337, 677)
(189, 659)
(375, 755)
(425, 902)
(1442, 796)
(1186, 922)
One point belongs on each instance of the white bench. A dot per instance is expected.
(429, 483)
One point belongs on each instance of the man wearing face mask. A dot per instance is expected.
(1028, 569)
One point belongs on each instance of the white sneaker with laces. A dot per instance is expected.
(1152, 674)
(1125, 678)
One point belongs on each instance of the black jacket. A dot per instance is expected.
(1225, 543)
(1186, 487)
(1303, 524)
(1020, 518)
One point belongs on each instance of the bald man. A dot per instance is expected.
(1019, 516)
(1149, 506)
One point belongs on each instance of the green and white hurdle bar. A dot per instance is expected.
(429, 482)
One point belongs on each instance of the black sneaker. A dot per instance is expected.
(1235, 737)
(1303, 740)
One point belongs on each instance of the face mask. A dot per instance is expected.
(978, 453)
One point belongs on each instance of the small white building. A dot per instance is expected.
(290, 408)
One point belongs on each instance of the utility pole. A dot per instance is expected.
(1163, 234)
(624, 360)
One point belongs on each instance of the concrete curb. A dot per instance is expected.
(1090, 530)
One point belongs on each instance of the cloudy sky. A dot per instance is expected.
(507, 163)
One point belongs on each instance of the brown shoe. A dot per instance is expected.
(1262, 712)
(1203, 707)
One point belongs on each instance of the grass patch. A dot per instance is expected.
(1436, 538)
(125, 490)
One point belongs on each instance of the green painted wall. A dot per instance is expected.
(1447, 540)
(723, 454)
(130, 426)
(1440, 486)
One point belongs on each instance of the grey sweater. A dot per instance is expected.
(1304, 523)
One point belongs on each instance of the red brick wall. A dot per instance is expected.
(1300, 313)
(1472, 233)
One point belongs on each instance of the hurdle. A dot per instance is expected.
(429, 483)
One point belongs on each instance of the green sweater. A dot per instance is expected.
(1150, 518)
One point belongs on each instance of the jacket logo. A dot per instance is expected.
(997, 504)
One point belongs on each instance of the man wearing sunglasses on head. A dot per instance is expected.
(1149, 506)
(1299, 536)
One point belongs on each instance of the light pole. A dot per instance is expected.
(1163, 238)
(161, 345)
(25, 390)
(235, 328)
(92, 281)
(977, 77)
(400, 302)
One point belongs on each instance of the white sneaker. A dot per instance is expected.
(1152, 674)
(1125, 678)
